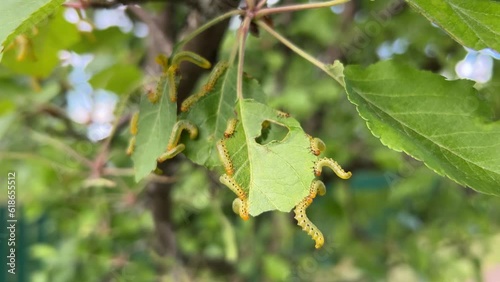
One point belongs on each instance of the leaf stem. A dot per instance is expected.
(206, 26)
(299, 51)
(242, 33)
(292, 8)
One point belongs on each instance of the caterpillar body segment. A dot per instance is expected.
(134, 122)
(214, 75)
(179, 126)
(231, 126)
(282, 114)
(319, 164)
(131, 146)
(317, 187)
(207, 88)
(224, 157)
(317, 145)
(192, 58)
(240, 204)
(240, 207)
(171, 153)
(189, 102)
(172, 83)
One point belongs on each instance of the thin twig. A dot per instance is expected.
(299, 51)
(242, 34)
(293, 8)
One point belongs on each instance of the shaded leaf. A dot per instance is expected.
(440, 122)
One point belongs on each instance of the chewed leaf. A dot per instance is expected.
(278, 174)
(210, 111)
(475, 24)
(442, 123)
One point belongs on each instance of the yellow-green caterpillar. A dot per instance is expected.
(231, 126)
(319, 164)
(317, 187)
(241, 206)
(224, 157)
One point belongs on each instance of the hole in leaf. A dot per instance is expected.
(271, 132)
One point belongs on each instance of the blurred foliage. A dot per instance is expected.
(395, 220)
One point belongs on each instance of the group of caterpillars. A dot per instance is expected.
(170, 78)
(240, 204)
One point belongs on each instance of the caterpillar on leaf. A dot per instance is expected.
(209, 86)
(192, 58)
(231, 126)
(224, 157)
(173, 148)
(242, 205)
(317, 187)
(317, 145)
(319, 164)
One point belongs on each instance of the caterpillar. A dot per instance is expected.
(319, 164)
(186, 104)
(283, 114)
(134, 121)
(179, 126)
(171, 153)
(131, 146)
(317, 145)
(231, 125)
(209, 86)
(242, 205)
(191, 57)
(224, 157)
(300, 213)
(154, 97)
(214, 76)
(172, 84)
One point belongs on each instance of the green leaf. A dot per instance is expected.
(42, 51)
(475, 24)
(211, 113)
(119, 78)
(18, 16)
(156, 121)
(276, 175)
(440, 122)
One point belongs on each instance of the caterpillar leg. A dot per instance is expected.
(317, 145)
(240, 204)
(318, 167)
(317, 187)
